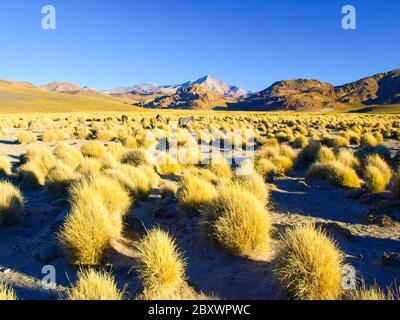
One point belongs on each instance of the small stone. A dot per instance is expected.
(46, 253)
(5, 270)
(335, 228)
(355, 194)
(371, 198)
(391, 259)
(381, 220)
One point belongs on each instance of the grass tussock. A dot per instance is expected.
(219, 166)
(69, 155)
(335, 173)
(309, 154)
(86, 233)
(32, 176)
(310, 264)
(11, 203)
(239, 221)
(25, 137)
(368, 140)
(166, 165)
(168, 189)
(195, 193)
(60, 178)
(373, 293)
(139, 181)
(5, 166)
(88, 167)
(161, 266)
(135, 157)
(254, 183)
(377, 173)
(93, 149)
(6, 292)
(94, 285)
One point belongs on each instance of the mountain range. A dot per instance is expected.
(314, 95)
(208, 93)
(208, 82)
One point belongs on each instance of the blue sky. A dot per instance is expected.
(110, 43)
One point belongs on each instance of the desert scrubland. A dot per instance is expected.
(199, 205)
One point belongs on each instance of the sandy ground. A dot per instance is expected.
(25, 248)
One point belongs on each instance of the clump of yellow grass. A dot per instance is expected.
(310, 264)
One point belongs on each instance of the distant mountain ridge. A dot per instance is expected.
(194, 96)
(209, 93)
(208, 82)
(314, 95)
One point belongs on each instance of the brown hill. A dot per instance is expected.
(195, 97)
(313, 95)
(61, 87)
(25, 97)
(301, 94)
(382, 88)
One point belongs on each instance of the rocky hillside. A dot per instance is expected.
(194, 97)
(301, 94)
(383, 88)
(313, 95)
(210, 83)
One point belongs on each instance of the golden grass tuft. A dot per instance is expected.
(348, 159)
(325, 154)
(239, 221)
(69, 155)
(368, 140)
(195, 192)
(254, 183)
(309, 154)
(310, 264)
(115, 197)
(377, 173)
(89, 166)
(5, 166)
(168, 165)
(395, 186)
(336, 173)
(33, 177)
(373, 293)
(6, 292)
(59, 178)
(86, 233)
(374, 179)
(300, 142)
(204, 174)
(266, 168)
(93, 149)
(117, 150)
(135, 157)
(26, 137)
(94, 285)
(161, 266)
(168, 189)
(382, 165)
(138, 180)
(11, 203)
(219, 166)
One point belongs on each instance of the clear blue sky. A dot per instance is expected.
(252, 43)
